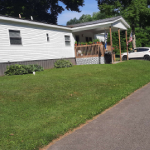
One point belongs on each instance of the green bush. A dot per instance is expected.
(22, 69)
(62, 64)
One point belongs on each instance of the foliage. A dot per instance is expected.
(87, 18)
(75, 42)
(143, 36)
(111, 10)
(136, 12)
(62, 64)
(35, 110)
(22, 69)
(41, 10)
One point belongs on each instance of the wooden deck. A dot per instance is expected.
(94, 50)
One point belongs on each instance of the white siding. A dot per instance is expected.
(100, 37)
(119, 25)
(34, 43)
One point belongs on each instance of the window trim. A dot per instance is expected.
(15, 37)
(67, 40)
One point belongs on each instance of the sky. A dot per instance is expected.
(89, 7)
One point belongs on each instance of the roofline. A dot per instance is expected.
(83, 24)
(32, 22)
(110, 22)
(89, 23)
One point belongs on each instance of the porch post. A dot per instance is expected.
(127, 45)
(75, 48)
(111, 43)
(119, 44)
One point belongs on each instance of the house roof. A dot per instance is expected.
(101, 26)
(34, 22)
(95, 22)
(75, 27)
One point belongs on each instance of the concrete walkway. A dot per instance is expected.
(125, 126)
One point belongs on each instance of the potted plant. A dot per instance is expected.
(93, 41)
(98, 41)
(82, 43)
(90, 43)
(75, 43)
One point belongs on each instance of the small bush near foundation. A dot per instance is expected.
(62, 64)
(22, 69)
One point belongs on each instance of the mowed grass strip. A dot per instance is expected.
(34, 110)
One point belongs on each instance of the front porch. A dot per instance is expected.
(96, 53)
(92, 54)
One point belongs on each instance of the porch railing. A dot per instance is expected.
(94, 50)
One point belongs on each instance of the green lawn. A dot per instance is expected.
(34, 110)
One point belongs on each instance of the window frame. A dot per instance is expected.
(67, 40)
(15, 37)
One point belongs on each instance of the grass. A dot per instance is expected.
(34, 110)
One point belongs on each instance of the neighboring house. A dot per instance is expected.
(30, 42)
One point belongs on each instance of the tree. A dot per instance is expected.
(87, 18)
(136, 12)
(41, 10)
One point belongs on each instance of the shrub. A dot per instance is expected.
(62, 64)
(22, 69)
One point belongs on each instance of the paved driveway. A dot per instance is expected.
(126, 126)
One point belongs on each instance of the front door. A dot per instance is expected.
(77, 39)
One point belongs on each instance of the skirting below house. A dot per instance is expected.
(90, 60)
(46, 64)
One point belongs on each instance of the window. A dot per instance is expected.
(67, 40)
(142, 49)
(88, 39)
(47, 37)
(15, 38)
